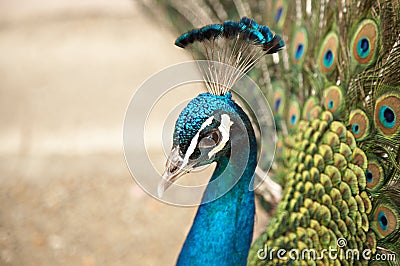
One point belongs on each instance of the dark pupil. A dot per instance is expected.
(369, 176)
(215, 137)
(356, 128)
(364, 45)
(328, 55)
(389, 115)
(384, 220)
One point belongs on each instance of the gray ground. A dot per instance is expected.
(67, 72)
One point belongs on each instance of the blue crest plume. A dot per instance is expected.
(239, 45)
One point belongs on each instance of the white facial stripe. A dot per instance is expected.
(193, 143)
(224, 128)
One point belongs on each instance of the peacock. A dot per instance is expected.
(330, 70)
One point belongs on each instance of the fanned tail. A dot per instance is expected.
(337, 81)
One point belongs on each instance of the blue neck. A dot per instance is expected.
(222, 230)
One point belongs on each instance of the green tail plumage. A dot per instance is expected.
(335, 94)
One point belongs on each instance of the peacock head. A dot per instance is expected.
(205, 132)
(212, 127)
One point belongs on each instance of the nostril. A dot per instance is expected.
(173, 168)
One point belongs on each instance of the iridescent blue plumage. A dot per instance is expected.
(196, 113)
(211, 31)
(328, 59)
(266, 32)
(387, 116)
(363, 47)
(256, 37)
(250, 23)
(187, 38)
(253, 32)
(223, 227)
(232, 29)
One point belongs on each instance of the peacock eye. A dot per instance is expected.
(210, 140)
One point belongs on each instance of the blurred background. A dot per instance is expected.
(67, 72)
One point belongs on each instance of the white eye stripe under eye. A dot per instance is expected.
(224, 129)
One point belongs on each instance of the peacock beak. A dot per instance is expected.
(168, 178)
(175, 168)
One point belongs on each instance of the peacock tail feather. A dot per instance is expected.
(335, 94)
